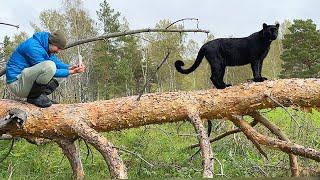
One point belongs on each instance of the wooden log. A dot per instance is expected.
(126, 112)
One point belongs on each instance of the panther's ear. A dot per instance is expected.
(264, 25)
(277, 25)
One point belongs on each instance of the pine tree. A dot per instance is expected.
(116, 66)
(301, 54)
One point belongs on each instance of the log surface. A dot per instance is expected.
(157, 108)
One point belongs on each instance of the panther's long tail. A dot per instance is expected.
(178, 64)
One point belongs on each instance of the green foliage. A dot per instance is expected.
(109, 18)
(10, 45)
(116, 67)
(301, 54)
(7, 48)
(159, 44)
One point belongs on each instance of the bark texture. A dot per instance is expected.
(126, 112)
(86, 120)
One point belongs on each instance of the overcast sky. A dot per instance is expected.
(224, 18)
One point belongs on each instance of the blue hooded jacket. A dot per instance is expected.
(33, 51)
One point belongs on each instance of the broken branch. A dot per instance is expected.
(275, 130)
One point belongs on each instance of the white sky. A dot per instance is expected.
(223, 18)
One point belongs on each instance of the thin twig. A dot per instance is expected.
(89, 151)
(133, 153)
(10, 169)
(178, 131)
(164, 132)
(7, 24)
(261, 170)
(7, 154)
(221, 167)
(192, 157)
(233, 131)
(277, 102)
(183, 20)
(147, 82)
(178, 128)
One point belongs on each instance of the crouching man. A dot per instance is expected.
(33, 68)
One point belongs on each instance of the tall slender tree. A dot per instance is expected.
(116, 70)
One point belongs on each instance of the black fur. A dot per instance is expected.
(234, 52)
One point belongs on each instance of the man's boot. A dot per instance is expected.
(50, 87)
(38, 97)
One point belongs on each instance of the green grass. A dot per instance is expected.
(163, 147)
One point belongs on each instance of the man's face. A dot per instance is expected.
(53, 49)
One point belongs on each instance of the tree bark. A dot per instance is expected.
(71, 151)
(110, 154)
(85, 120)
(206, 151)
(157, 108)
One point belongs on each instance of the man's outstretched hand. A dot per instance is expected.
(80, 68)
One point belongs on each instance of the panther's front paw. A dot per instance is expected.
(260, 79)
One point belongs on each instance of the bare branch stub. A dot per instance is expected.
(8, 24)
(13, 115)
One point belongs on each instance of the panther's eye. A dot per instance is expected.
(273, 29)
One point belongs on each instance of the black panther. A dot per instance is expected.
(224, 52)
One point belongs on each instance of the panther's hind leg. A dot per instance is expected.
(217, 73)
(221, 76)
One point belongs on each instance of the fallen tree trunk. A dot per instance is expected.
(60, 121)
(126, 112)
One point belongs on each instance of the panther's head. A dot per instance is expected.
(270, 32)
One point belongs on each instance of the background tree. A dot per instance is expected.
(301, 54)
(75, 22)
(159, 44)
(8, 46)
(116, 66)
